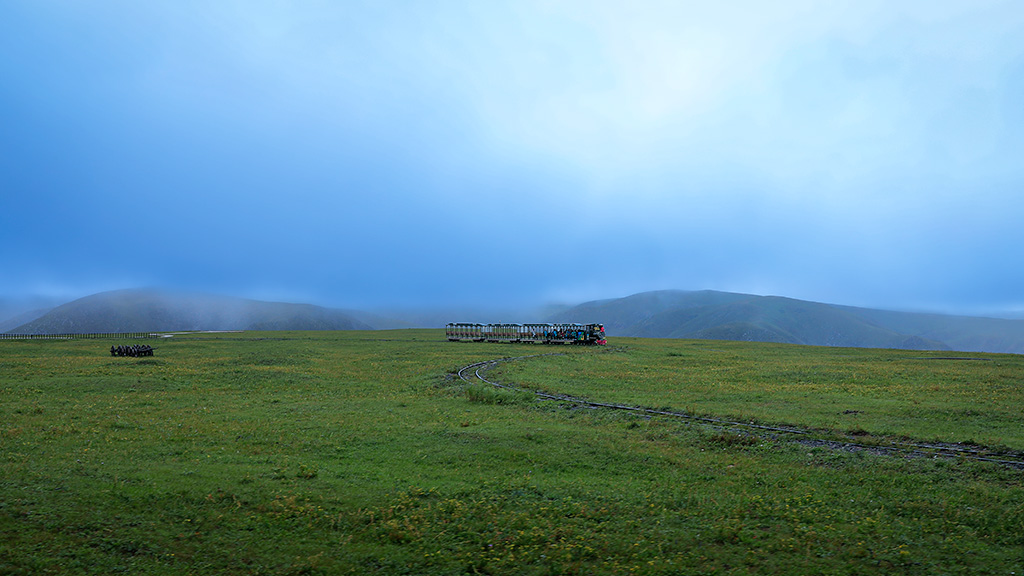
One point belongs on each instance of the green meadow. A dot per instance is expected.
(363, 453)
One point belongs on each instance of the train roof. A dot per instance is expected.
(525, 324)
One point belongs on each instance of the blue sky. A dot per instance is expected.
(370, 154)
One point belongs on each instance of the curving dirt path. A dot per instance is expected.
(806, 436)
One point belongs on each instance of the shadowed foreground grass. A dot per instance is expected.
(359, 452)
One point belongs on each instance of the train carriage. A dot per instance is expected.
(459, 331)
(561, 333)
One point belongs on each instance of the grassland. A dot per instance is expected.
(359, 452)
(935, 396)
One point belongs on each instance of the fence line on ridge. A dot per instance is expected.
(79, 336)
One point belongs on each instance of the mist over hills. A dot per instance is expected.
(21, 318)
(17, 311)
(704, 314)
(715, 315)
(148, 310)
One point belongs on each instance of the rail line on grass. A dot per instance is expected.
(799, 435)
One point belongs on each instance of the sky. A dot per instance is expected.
(435, 153)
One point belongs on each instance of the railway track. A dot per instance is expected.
(475, 372)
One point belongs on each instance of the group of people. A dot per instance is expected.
(134, 351)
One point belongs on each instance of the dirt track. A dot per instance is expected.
(804, 436)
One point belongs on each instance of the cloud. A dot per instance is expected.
(852, 151)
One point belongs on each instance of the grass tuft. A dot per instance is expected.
(727, 439)
(486, 394)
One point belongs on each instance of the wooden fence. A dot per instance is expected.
(88, 336)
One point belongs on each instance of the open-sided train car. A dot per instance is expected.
(585, 334)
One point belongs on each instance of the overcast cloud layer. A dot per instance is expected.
(441, 153)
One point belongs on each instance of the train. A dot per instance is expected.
(580, 334)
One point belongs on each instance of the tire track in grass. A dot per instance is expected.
(804, 436)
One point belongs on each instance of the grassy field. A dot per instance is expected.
(359, 452)
(942, 396)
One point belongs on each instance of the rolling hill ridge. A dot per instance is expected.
(716, 315)
(147, 310)
(704, 314)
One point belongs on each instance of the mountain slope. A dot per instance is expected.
(967, 333)
(146, 310)
(779, 320)
(23, 318)
(621, 315)
(731, 316)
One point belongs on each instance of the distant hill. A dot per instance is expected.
(729, 316)
(149, 310)
(22, 318)
(705, 314)
(20, 310)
